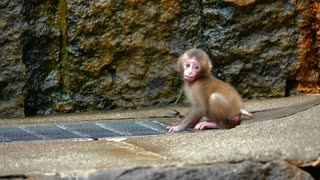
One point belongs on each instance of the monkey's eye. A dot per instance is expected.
(187, 65)
(196, 67)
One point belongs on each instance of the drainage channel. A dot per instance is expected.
(76, 131)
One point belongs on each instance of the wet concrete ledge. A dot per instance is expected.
(268, 147)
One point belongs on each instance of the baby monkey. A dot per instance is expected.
(215, 104)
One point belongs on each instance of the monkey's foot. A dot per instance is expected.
(206, 125)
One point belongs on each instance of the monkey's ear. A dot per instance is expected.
(179, 66)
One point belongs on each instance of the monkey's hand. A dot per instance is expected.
(174, 128)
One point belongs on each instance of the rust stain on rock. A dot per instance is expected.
(308, 68)
(241, 2)
(169, 9)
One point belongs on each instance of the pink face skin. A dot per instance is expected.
(191, 69)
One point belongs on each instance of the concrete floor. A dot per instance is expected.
(284, 128)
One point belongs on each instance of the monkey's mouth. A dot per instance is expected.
(189, 78)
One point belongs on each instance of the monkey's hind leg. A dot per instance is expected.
(218, 113)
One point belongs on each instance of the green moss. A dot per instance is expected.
(64, 64)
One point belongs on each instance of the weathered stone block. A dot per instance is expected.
(255, 47)
(12, 69)
(100, 55)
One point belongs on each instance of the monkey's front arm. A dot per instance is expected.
(192, 118)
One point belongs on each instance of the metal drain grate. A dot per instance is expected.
(94, 131)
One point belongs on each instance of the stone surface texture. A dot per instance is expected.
(279, 147)
(12, 68)
(62, 56)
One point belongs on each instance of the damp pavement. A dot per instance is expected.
(283, 129)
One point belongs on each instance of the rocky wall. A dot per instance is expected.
(12, 69)
(254, 44)
(101, 55)
(308, 68)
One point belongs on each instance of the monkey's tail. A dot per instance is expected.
(246, 113)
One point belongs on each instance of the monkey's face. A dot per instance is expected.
(191, 69)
